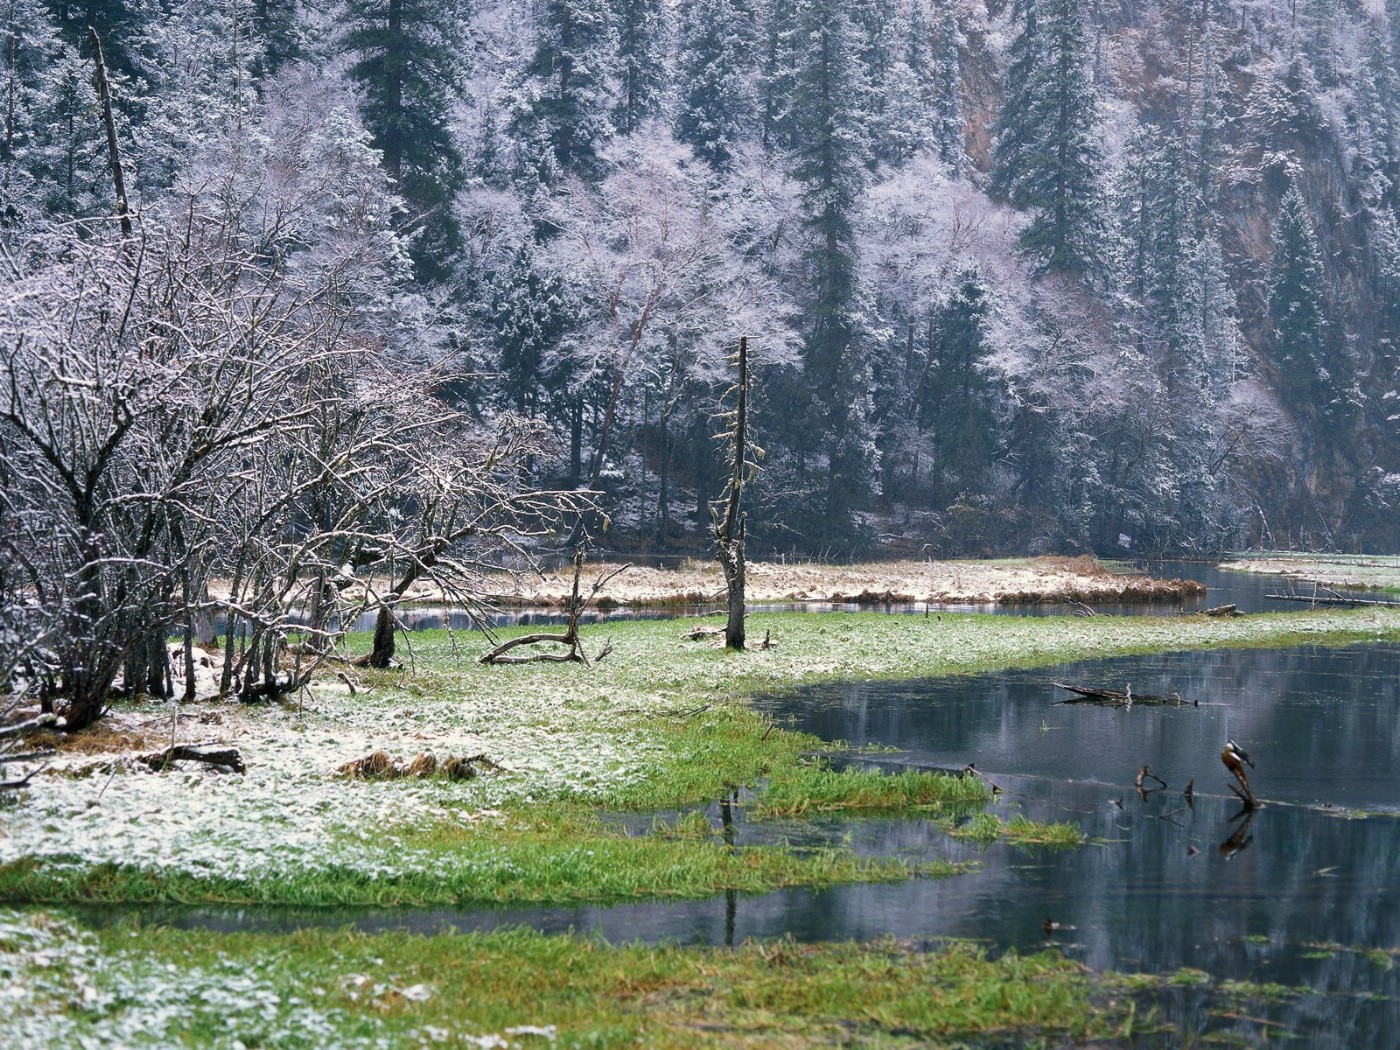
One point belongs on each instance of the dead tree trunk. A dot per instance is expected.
(385, 622)
(569, 636)
(114, 157)
(730, 527)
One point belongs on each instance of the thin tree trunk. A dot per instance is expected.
(114, 156)
(730, 529)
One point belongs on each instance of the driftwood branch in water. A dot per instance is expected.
(215, 755)
(971, 768)
(569, 636)
(1142, 776)
(1121, 698)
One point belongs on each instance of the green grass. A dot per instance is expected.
(663, 723)
(556, 856)
(135, 985)
(671, 728)
(987, 828)
(814, 787)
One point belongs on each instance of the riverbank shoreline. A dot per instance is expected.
(1010, 581)
(1327, 571)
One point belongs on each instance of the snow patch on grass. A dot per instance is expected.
(290, 812)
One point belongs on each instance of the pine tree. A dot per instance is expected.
(1372, 134)
(904, 128)
(278, 29)
(570, 74)
(949, 132)
(407, 66)
(830, 154)
(1048, 157)
(875, 25)
(1014, 143)
(200, 84)
(716, 103)
(51, 161)
(778, 76)
(956, 397)
(118, 23)
(1282, 121)
(1297, 311)
(1208, 119)
(529, 314)
(642, 34)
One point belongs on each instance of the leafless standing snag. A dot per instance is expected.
(730, 527)
(569, 636)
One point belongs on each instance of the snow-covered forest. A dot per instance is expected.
(1028, 275)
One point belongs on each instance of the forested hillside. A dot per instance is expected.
(1018, 275)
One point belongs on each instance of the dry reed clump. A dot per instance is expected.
(869, 597)
(379, 765)
(100, 739)
(1079, 565)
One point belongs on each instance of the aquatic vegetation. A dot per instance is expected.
(816, 787)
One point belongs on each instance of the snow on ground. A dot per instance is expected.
(58, 988)
(290, 810)
(1344, 571)
(973, 583)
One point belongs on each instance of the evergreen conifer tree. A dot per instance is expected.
(407, 64)
(642, 34)
(957, 398)
(529, 314)
(949, 135)
(778, 76)
(716, 103)
(1301, 332)
(51, 161)
(1048, 158)
(571, 76)
(830, 155)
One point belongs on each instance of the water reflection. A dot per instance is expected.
(1170, 881)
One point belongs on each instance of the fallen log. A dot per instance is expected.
(216, 755)
(1224, 610)
(20, 728)
(1336, 599)
(569, 636)
(972, 769)
(1121, 698)
(22, 782)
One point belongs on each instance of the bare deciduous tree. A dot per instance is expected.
(182, 408)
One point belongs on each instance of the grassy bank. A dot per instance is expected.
(128, 985)
(1302, 571)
